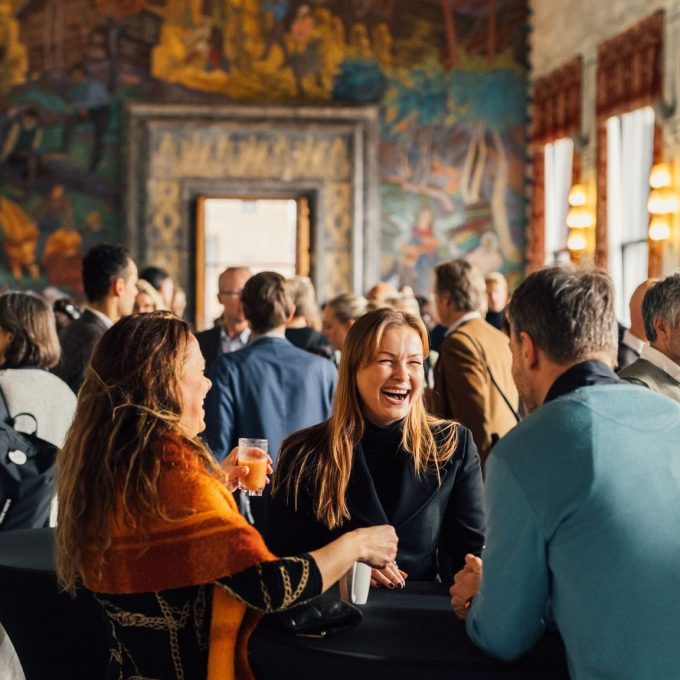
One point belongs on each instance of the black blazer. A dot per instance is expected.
(77, 343)
(210, 343)
(437, 524)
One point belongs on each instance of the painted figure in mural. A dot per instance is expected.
(89, 102)
(19, 239)
(420, 253)
(13, 55)
(383, 45)
(62, 259)
(205, 48)
(55, 210)
(487, 255)
(277, 10)
(237, 34)
(21, 144)
(360, 42)
(305, 57)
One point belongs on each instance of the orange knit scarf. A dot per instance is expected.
(213, 541)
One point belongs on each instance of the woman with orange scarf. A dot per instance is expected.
(147, 520)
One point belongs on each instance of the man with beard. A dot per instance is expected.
(582, 497)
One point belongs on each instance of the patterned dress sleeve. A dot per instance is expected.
(277, 585)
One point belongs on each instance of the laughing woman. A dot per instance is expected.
(147, 520)
(381, 458)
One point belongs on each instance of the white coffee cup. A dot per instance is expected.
(356, 583)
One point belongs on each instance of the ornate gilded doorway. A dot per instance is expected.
(178, 153)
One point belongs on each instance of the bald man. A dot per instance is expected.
(633, 339)
(381, 291)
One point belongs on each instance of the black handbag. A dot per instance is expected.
(322, 616)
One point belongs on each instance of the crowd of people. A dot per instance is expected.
(474, 438)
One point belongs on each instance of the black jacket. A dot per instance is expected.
(210, 342)
(436, 524)
(77, 343)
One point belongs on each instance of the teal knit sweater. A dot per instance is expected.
(583, 513)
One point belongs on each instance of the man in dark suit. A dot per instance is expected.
(110, 283)
(472, 379)
(270, 388)
(233, 332)
(658, 366)
(633, 339)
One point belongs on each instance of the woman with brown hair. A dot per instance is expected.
(380, 458)
(147, 520)
(33, 403)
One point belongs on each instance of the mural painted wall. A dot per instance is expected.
(450, 74)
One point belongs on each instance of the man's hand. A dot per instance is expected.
(466, 585)
(235, 472)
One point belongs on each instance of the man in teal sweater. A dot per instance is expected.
(583, 498)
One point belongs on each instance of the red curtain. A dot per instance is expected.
(629, 76)
(556, 113)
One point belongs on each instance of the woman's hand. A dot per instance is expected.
(389, 576)
(235, 472)
(377, 546)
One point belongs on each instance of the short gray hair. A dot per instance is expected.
(464, 282)
(348, 306)
(568, 313)
(662, 300)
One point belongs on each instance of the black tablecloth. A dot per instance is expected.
(404, 635)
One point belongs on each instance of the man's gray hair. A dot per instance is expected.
(348, 306)
(662, 300)
(568, 313)
(463, 282)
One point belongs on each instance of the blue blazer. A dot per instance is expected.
(269, 389)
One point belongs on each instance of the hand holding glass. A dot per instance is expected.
(253, 453)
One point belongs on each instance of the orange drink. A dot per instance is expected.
(253, 453)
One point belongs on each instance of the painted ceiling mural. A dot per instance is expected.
(450, 76)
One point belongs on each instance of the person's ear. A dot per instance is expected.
(291, 314)
(529, 350)
(662, 330)
(445, 297)
(118, 286)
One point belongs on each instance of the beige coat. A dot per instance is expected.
(463, 387)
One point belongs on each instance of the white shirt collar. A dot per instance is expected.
(456, 324)
(237, 342)
(633, 342)
(101, 316)
(660, 360)
(271, 334)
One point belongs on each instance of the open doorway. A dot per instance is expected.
(262, 233)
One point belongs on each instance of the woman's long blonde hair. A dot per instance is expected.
(128, 404)
(319, 459)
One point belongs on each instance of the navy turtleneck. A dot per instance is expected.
(583, 374)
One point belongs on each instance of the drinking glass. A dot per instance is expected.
(253, 453)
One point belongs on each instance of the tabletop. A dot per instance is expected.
(410, 633)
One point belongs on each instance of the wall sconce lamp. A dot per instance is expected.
(580, 219)
(662, 203)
